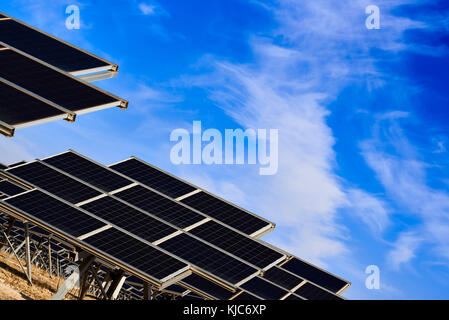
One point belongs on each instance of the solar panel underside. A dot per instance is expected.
(315, 275)
(50, 84)
(73, 222)
(47, 48)
(18, 108)
(208, 258)
(206, 203)
(54, 182)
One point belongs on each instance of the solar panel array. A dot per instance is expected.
(37, 78)
(152, 232)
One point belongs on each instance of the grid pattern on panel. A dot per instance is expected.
(237, 244)
(208, 258)
(312, 292)
(10, 188)
(54, 182)
(293, 297)
(17, 107)
(282, 278)
(135, 253)
(315, 275)
(245, 296)
(129, 219)
(88, 171)
(55, 213)
(160, 206)
(225, 212)
(46, 48)
(263, 289)
(208, 287)
(48, 83)
(153, 178)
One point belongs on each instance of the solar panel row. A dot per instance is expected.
(213, 261)
(37, 82)
(49, 49)
(202, 201)
(68, 220)
(210, 247)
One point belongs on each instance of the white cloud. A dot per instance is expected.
(325, 48)
(404, 178)
(147, 9)
(404, 249)
(369, 209)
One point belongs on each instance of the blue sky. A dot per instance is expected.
(362, 118)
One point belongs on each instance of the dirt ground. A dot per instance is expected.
(14, 284)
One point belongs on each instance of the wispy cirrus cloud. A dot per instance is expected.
(403, 173)
(318, 49)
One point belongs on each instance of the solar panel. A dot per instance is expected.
(282, 278)
(160, 206)
(293, 297)
(312, 292)
(49, 49)
(208, 258)
(51, 211)
(264, 289)
(128, 218)
(54, 182)
(53, 85)
(245, 296)
(10, 188)
(237, 244)
(315, 275)
(2, 166)
(153, 178)
(17, 109)
(202, 201)
(206, 287)
(121, 248)
(136, 253)
(88, 171)
(226, 213)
